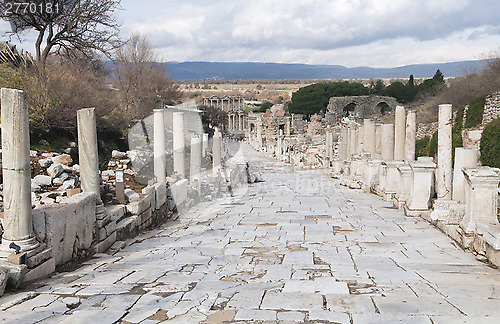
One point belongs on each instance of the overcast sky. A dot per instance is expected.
(376, 33)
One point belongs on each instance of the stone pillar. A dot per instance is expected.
(160, 171)
(205, 145)
(87, 152)
(343, 144)
(393, 179)
(288, 126)
(444, 170)
(216, 152)
(387, 141)
(464, 158)
(411, 134)
(378, 142)
(259, 136)
(352, 141)
(369, 137)
(481, 198)
(179, 144)
(399, 133)
(421, 184)
(195, 168)
(359, 139)
(17, 221)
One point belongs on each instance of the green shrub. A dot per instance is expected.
(433, 144)
(490, 144)
(475, 112)
(422, 147)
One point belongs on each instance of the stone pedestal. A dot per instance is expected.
(393, 179)
(464, 158)
(411, 134)
(160, 171)
(387, 142)
(399, 133)
(371, 175)
(216, 152)
(422, 176)
(481, 198)
(382, 179)
(444, 170)
(179, 144)
(17, 220)
(404, 190)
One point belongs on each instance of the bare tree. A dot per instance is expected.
(140, 79)
(68, 27)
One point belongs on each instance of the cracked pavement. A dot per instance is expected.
(296, 248)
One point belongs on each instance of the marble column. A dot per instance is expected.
(87, 152)
(359, 139)
(17, 220)
(378, 142)
(195, 167)
(353, 141)
(288, 126)
(343, 144)
(444, 169)
(387, 142)
(464, 158)
(421, 184)
(160, 171)
(481, 198)
(179, 144)
(399, 133)
(411, 134)
(216, 152)
(205, 145)
(369, 137)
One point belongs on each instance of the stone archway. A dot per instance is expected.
(366, 106)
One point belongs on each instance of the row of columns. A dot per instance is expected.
(17, 223)
(381, 158)
(237, 122)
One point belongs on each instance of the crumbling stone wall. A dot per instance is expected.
(491, 108)
(365, 106)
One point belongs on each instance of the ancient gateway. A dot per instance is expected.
(360, 106)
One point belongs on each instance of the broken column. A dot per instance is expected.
(160, 171)
(87, 152)
(464, 158)
(411, 134)
(399, 133)
(343, 144)
(195, 168)
(17, 221)
(378, 142)
(387, 142)
(444, 170)
(421, 185)
(179, 144)
(216, 152)
(369, 137)
(359, 139)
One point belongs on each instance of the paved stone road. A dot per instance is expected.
(297, 247)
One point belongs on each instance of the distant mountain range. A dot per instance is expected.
(199, 71)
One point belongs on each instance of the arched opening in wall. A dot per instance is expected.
(349, 109)
(383, 108)
(252, 127)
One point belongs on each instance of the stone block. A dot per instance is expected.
(41, 271)
(38, 219)
(131, 195)
(137, 207)
(16, 273)
(116, 212)
(41, 180)
(127, 227)
(17, 258)
(160, 195)
(151, 192)
(69, 225)
(4, 275)
(55, 169)
(64, 159)
(104, 245)
(179, 191)
(39, 258)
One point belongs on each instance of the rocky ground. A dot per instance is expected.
(295, 248)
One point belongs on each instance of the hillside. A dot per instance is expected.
(199, 71)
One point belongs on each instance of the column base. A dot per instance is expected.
(30, 246)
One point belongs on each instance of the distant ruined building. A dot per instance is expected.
(235, 108)
(359, 107)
